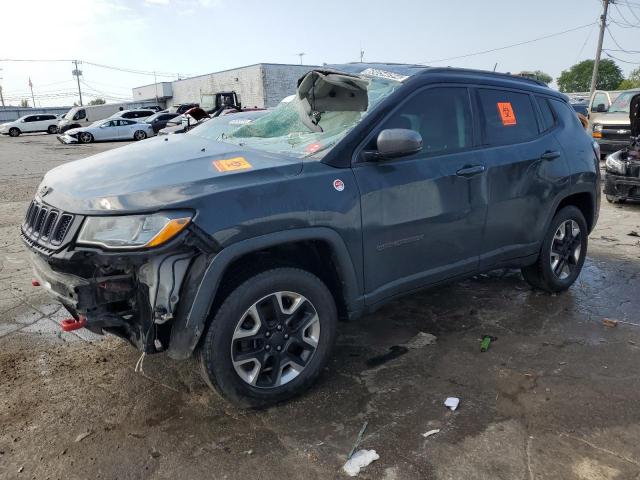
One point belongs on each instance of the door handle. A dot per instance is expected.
(550, 155)
(470, 171)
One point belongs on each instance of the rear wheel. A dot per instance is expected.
(139, 135)
(562, 254)
(270, 339)
(14, 132)
(85, 137)
(52, 129)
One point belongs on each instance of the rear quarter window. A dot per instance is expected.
(566, 114)
(548, 119)
(507, 117)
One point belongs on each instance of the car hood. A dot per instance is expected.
(614, 118)
(159, 173)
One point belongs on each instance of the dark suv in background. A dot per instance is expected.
(377, 180)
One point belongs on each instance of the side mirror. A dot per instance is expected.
(396, 142)
(601, 108)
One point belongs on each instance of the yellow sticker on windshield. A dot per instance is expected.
(231, 164)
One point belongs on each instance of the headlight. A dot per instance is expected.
(615, 166)
(597, 131)
(133, 231)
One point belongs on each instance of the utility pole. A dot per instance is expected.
(77, 74)
(361, 55)
(155, 85)
(32, 97)
(596, 63)
(301, 54)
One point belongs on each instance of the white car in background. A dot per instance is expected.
(29, 124)
(108, 129)
(135, 114)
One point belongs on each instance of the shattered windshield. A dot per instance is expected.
(283, 130)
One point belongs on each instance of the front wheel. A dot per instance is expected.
(563, 251)
(52, 129)
(270, 339)
(85, 137)
(139, 135)
(14, 132)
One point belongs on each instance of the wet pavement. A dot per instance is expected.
(556, 396)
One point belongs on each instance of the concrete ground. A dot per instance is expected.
(557, 396)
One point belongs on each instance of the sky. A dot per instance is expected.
(191, 37)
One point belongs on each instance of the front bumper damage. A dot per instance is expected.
(135, 295)
(622, 187)
(67, 139)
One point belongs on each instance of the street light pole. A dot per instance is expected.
(596, 63)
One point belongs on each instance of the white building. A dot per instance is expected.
(262, 85)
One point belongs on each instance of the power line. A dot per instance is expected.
(100, 65)
(620, 59)
(482, 52)
(623, 17)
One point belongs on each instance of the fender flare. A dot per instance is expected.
(190, 323)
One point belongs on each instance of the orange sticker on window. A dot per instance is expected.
(506, 113)
(231, 164)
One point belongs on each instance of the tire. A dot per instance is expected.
(52, 129)
(139, 135)
(556, 270)
(613, 199)
(14, 132)
(238, 354)
(85, 137)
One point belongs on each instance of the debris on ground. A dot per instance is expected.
(359, 460)
(422, 339)
(358, 440)
(452, 403)
(431, 432)
(395, 351)
(83, 435)
(633, 233)
(609, 322)
(486, 340)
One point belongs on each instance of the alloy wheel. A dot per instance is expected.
(275, 339)
(565, 249)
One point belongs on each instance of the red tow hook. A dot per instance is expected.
(35, 283)
(70, 324)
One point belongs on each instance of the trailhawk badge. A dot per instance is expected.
(338, 184)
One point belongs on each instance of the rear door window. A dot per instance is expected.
(507, 117)
(32, 118)
(548, 119)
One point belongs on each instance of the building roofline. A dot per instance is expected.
(230, 70)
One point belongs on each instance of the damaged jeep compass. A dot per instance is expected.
(244, 246)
